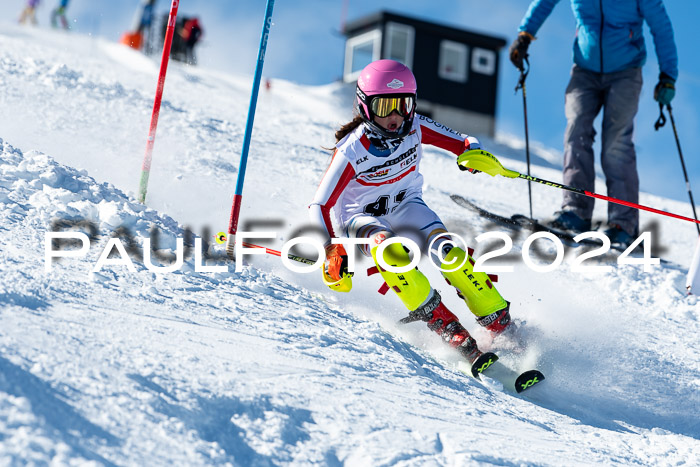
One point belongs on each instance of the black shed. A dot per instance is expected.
(456, 70)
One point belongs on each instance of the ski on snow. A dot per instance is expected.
(488, 366)
(519, 221)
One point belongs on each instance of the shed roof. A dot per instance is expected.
(365, 23)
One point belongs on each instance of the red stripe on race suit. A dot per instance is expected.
(395, 179)
(365, 141)
(434, 138)
(345, 178)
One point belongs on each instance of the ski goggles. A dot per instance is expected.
(384, 106)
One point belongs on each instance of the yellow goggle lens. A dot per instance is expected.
(384, 106)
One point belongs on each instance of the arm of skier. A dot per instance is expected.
(536, 15)
(532, 21)
(339, 173)
(335, 180)
(660, 26)
(437, 134)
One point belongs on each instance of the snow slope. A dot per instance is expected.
(263, 366)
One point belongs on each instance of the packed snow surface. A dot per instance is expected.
(106, 361)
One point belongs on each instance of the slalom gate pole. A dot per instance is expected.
(236, 206)
(146, 167)
(521, 85)
(661, 122)
(484, 161)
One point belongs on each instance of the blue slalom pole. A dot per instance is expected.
(236, 207)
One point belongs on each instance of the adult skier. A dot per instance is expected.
(373, 190)
(608, 53)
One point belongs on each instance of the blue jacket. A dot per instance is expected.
(609, 33)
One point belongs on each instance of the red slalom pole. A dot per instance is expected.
(146, 167)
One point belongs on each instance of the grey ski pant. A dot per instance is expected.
(618, 94)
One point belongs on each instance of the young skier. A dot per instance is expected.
(374, 187)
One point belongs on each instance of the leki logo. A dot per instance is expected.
(395, 84)
(379, 238)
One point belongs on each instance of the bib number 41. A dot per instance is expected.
(381, 206)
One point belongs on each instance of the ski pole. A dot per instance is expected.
(521, 85)
(270, 251)
(341, 285)
(661, 122)
(236, 206)
(486, 162)
(146, 167)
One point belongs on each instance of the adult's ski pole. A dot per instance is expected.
(237, 197)
(661, 122)
(521, 85)
(486, 162)
(146, 166)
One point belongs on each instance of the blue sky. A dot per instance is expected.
(305, 47)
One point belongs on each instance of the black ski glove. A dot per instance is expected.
(665, 89)
(468, 169)
(518, 49)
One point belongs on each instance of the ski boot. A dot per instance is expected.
(497, 322)
(505, 334)
(443, 322)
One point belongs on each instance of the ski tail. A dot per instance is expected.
(528, 379)
(483, 362)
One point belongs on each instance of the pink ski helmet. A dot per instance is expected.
(387, 78)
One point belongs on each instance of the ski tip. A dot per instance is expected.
(528, 379)
(484, 361)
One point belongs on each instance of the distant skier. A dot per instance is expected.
(374, 188)
(60, 13)
(191, 33)
(144, 16)
(29, 12)
(141, 29)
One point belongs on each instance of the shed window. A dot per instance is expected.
(483, 61)
(453, 61)
(399, 43)
(360, 51)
